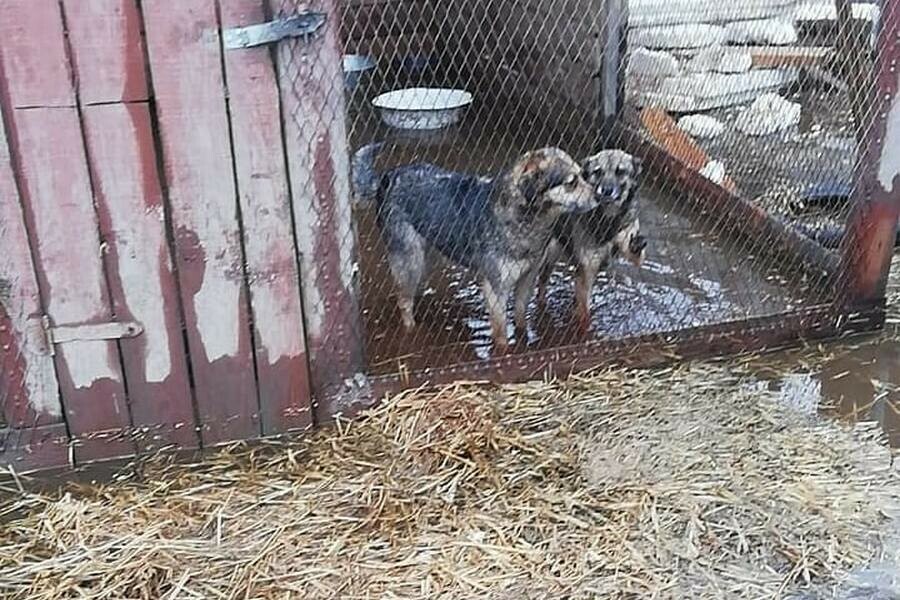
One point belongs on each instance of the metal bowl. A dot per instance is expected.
(422, 108)
(355, 66)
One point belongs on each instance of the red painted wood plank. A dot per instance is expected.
(185, 62)
(107, 50)
(142, 284)
(35, 449)
(29, 391)
(59, 205)
(284, 394)
(32, 48)
(312, 96)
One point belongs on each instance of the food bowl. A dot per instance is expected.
(355, 66)
(422, 108)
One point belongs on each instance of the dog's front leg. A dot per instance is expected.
(524, 289)
(495, 299)
(545, 270)
(588, 269)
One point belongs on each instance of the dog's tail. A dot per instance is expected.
(365, 177)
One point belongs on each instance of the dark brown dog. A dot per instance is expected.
(590, 240)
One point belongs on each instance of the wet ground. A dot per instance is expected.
(691, 277)
(858, 379)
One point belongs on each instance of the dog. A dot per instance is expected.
(496, 227)
(589, 241)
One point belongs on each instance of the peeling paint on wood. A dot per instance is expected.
(107, 50)
(185, 60)
(29, 391)
(66, 243)
(868, 249)
(311, 83)
(142, 284)
(34, 58)
(266, 209)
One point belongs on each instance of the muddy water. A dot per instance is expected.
(858, 380)
(691, 276)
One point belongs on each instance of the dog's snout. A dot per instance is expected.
(637, 244)
(609, 190)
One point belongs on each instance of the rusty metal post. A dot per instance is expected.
(867, 250)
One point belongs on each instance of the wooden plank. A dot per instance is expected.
(273, 276)
(34, 54)
(773, 57)
(738, 217)
(34, 449)
(613, 52)
(29, 391)
(663, 130)
(142, 284)
(107, 50)
(185, 60)
(312, 98)
(57, 196)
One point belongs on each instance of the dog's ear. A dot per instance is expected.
(531, 182)
(585, 165)
(637, 165)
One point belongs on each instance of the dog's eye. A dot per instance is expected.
(620, 172)
(570, 181)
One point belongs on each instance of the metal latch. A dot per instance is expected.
(50, 336)
(251, 36)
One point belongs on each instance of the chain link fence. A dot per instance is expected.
(750, 121)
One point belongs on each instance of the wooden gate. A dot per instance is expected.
(153, 231)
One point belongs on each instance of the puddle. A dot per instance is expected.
(858, 380)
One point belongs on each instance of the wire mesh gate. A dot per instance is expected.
(759, 125)
(723, 181)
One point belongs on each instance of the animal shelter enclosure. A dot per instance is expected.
(214, 228)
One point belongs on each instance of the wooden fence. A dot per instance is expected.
(161, 196)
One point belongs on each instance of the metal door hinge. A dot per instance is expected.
(301, 25)
(48, 337)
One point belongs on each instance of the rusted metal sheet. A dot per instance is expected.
(185, 61)
(748, 336)
(312, 98)
(59, 205)
(29, 391)
(34, 57)
(107, 50)
(142, 284)
(272, 269)
(867, 250)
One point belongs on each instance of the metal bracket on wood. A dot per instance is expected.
(51, 336)
(302, 25)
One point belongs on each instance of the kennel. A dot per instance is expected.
(185, 261)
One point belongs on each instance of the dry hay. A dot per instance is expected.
(678, 483)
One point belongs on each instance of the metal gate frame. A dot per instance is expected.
(859, 270)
